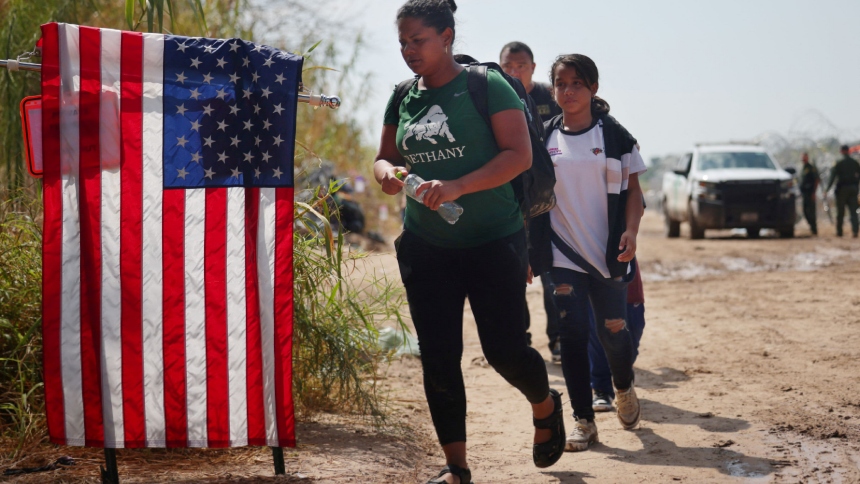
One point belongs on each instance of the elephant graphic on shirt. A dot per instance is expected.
(434, 123)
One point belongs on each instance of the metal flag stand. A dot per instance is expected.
(315, 100)
(110, 473)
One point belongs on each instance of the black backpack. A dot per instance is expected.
(533, 187)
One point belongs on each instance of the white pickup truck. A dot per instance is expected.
(729, 186)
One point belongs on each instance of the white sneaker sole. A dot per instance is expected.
(579, 446)
(602, 408)
(632, 425)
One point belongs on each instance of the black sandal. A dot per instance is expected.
(465, 475)
(548, 453)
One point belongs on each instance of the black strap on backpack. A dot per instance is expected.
(402, 90)
(577, 259)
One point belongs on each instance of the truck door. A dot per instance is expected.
(679, 193)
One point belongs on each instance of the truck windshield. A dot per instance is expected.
(719, 161)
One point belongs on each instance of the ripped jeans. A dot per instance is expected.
(573, 291)
(493, 278)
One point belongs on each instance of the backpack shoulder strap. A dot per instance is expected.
(401, 91)
(577, 259)
(479, 88)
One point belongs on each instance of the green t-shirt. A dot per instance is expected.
(442, 136)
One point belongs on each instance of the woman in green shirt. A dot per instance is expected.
(437, 133)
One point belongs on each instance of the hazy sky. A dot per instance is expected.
(675, 72)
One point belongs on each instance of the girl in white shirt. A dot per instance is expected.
(594, 230)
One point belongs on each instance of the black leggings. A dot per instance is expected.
(493, 277)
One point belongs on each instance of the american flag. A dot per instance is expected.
(167, 257)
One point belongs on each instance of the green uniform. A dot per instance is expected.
(809, 180)
(442, 136)
(846, 175)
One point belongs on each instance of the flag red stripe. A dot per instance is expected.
(131, 237)
(52, 235)
(217, 389)
(284, 316)
(90, 207)
(173, 235)
(253, 336)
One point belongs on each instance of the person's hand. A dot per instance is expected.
(438, 191)
(390, 183)
(628, 245)
(530, 275)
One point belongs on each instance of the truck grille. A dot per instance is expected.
(749, 191)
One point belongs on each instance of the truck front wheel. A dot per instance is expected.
(672, 227)
(696, 232)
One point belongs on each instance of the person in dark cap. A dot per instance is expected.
(809, 180)
(846, 175)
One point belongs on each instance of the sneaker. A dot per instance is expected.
(602, 402)
(556, 352)
(628, 407)
(583, 433)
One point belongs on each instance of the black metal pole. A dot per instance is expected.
(278, 457)
(111, 474)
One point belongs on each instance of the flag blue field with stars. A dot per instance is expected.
(229, 113)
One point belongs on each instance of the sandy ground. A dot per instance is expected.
(748, 372)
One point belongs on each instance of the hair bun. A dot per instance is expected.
(453, 6)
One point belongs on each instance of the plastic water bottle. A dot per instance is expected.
(450, 211)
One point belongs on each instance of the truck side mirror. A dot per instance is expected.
(791, 170)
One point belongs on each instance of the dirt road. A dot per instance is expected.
(748, 372)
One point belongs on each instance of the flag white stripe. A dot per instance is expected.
(195, 316)
(266, 277)
(70, 342)
(236, 317)
(111, 301)
(152, 278)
